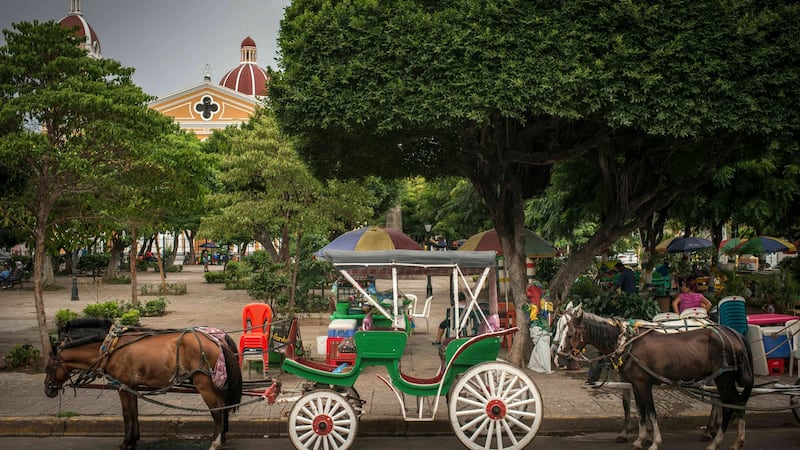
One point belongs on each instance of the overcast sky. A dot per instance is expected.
(168, 42)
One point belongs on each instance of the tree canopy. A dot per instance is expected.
(73, 130)
(650, 94)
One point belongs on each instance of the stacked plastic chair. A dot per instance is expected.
(253, 344)
(733, 314)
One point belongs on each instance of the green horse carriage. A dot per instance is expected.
(491, 404)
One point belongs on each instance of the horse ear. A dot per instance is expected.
(579, 311)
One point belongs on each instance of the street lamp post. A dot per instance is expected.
(74, 294)
(429, 288)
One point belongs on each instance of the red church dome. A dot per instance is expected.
(85, 32)
(247, 78)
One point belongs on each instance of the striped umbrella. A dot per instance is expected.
(372, 238)
(535, 245)
(764, 244)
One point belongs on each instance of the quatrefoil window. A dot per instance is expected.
(206, 107)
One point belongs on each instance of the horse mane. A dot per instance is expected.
(601, 332)
(79, 332)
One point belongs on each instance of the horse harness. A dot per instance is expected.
(111, 344)
(630, 331)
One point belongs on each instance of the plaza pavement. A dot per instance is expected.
(570, 407)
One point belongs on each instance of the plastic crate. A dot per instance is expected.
(776, 366)
(334, 357)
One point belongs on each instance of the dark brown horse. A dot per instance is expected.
(645, 358)
(140, 359)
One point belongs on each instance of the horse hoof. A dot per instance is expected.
(706, 437)
(621, 440)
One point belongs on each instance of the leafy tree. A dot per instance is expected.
(71, 126)
(268, 193)
(649, 94)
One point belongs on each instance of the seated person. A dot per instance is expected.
(445, 324)
(690, 298)
(5, 273)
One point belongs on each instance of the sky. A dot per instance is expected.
(167, 42)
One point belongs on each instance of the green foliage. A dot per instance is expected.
(21, 356)
(94, 262)
(154, 308)
(171, 288)
(270, 285)
(629, 306)
(780, 289)
(598, 300)
(215, 277)
(63, 316)
(130, 317)
(237, 275)
(546, 268)
(109, 310)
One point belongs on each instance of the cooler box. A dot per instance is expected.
(778, 346)
(342, 328)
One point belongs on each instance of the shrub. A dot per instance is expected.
(21, 356)
(63, 316)
(130, 318)
(238, 274)
(108, 310)
(155, 307)
(215, 277)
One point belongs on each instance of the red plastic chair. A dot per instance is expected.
(508, 319)
(256, 319)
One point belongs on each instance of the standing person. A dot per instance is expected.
(204, 258)
(689, 298)
(625, 279)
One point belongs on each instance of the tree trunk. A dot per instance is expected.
(190, 256)
(117, 248)
(48, 277)
(161, 270)
(38, 292)
(171, 258)
(134, 259)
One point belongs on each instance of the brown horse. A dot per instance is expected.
(146, 359)
(645, 358)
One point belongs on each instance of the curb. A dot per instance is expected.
(182, 426)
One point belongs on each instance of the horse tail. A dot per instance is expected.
(233, 394)
(746, 376)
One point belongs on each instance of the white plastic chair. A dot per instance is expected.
(793, 336)
(426, 312)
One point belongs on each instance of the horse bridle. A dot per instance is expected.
(86, 375)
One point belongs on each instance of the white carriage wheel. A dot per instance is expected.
(495, 405)
(322, 419)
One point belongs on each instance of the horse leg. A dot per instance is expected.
(643, 392)
(712, 425)
(627, 425)
(213, 399)
(130, 415)
(729, 395)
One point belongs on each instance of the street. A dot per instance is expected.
(761, 439)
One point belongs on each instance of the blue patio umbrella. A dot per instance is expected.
(688, 244)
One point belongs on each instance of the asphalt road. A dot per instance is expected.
(783, 438)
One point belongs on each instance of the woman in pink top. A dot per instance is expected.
(689, 298)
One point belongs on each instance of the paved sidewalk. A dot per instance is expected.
(570, 407)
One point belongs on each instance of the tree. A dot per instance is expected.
(499, 92)
(268, 193)
(70, 126)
